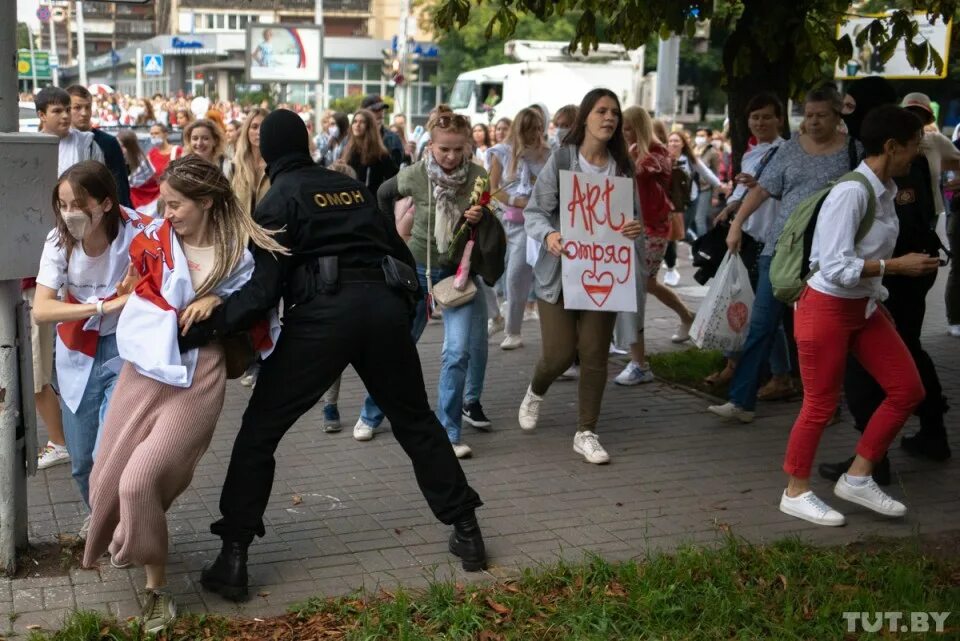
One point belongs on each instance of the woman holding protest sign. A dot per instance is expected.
(595, 145)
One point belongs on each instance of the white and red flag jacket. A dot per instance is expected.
(77, 340)
(148, 327)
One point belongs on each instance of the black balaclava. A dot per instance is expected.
(870, 93)
(283, 133)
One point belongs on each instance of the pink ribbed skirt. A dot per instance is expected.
(153, 437)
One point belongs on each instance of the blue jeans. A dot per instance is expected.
(463, 358)
(81, 429)
(765, 329)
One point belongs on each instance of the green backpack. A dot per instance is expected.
(790, 268)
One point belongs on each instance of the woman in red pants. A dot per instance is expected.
(840, 312)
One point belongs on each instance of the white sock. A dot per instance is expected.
(857, 481)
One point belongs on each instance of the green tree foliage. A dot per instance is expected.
(476, 44)
(23, 36)
(773, 45)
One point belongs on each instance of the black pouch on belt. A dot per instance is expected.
(328, 274)
(400, 275)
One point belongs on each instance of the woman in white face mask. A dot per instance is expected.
(86, 257)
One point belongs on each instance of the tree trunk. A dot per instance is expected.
(750, 71)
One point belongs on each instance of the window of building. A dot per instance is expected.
(221, 21)
(232, 22)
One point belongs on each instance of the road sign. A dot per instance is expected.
(153, 64)
(25, 62)
(43, 14)
(114, 57)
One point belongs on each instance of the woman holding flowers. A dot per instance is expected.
(443, 189)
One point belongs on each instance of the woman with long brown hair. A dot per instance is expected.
(594, 145)
(250, 181)
(86, 256)
(366, 153)
(167, 404)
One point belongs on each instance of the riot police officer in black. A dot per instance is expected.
(345, 303)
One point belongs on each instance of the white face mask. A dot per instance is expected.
(156, 140)
(717, 144)
(561, 134)
(700, 141)
(79, 223)
(333, 131)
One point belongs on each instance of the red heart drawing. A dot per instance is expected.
(597, 286)
(737, 316)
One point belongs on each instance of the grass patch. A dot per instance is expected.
(689, 368)
(735, 590)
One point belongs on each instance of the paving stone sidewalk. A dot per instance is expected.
(346, 515)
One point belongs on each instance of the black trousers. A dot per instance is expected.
(366, 325)
(907, 306)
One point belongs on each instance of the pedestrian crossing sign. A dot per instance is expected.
(153, 64)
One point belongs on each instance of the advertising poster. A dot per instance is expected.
(284, 53)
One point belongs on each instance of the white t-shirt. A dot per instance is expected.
(610, 169)
(200, 262)
(87, 278)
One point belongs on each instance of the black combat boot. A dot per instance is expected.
(930, 444)
(466, 542)
(227, 575)
(833, 471)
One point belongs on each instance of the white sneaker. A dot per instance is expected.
(616, 350)
(462, 450)
(495, 325)
(530, 410)
(809, 507)
(52, 454)
(731, 411)
(683, 334)
(512, 341)
(588, 445)
(634, 374)
(84, 528)
(362, 431)
(572, 373)
(671, 277)
(954, 330)
(869, 495)
(531, 314)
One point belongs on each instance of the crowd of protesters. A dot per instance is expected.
(154, 239)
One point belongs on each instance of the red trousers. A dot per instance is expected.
(827, 329)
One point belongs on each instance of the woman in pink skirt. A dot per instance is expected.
(166, 404)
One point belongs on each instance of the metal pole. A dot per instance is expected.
(139, 72)
(54, 68)
(318, 89)
(668, 72)
(9, 299)
(33, 59)
(81, 45)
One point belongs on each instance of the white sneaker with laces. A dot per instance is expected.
(809, 507)
(362, 431)
(731, 411)
(462, 450)
(531, 314)
(671, 278)
(52, 454)
(511, 341)
(870, 496)
(530, 410)
(683, 334)
(495, 325)
(634, 374)
(954, 330)
(588, 445)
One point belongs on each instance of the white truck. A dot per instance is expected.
(547, 73)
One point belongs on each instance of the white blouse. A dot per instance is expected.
(836, 255)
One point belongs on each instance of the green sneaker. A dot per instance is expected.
(159, 611)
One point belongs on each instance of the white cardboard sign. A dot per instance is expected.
(598, 265)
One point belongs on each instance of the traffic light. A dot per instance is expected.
(389, 59)
(413, 67)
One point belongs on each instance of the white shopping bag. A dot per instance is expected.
(533, 252)
(723, 319)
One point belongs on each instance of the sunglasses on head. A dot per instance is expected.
(445, 122)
